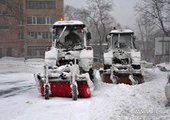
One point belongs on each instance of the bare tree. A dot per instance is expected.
(14, 11)
(155, 11)
(72, 13)
(69, 12)
(146, 34)
(98, 12)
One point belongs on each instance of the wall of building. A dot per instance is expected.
(33, 30)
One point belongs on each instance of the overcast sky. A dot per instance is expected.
(123, 10)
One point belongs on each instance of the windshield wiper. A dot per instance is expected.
(61, 35)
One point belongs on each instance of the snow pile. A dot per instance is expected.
(146, 64)
(20, 99)
(10, 64)
(164, 66)
(144, 101)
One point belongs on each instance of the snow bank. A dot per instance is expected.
(164, 66)
(144, 101)
(20, 99)
(10, 64)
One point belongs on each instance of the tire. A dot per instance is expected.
(74, 92)
(46, 92)
(91, 74)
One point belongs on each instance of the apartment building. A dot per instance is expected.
(27, 34)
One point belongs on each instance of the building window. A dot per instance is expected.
(40, 20)
(32, 4)
(40, 35)
(9, 52)
(48, 20)
(4, 13)
(36, 50)
(32, 51)
(21, 36)
(4, 27)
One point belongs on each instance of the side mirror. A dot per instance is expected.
(134, 38)
(88, 35)
(133, 42)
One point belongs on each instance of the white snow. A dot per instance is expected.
(122, 31)
(86, 59)
(164, 66)
(10, 64)
(108, 56)
(71, 22)
(20, 99)
(51, 56)
(167, 91)
(136, 56)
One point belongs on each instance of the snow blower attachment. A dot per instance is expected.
(68, 64)
(122, 60)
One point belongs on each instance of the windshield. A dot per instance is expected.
(122, 41)
(69, 38)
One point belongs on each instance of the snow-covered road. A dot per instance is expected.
(20, 99)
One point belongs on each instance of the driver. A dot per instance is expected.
(72, 39)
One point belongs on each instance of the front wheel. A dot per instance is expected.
(74, 92)
(46, 92)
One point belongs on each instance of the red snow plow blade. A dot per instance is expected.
(63, 89)
(122, 78)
